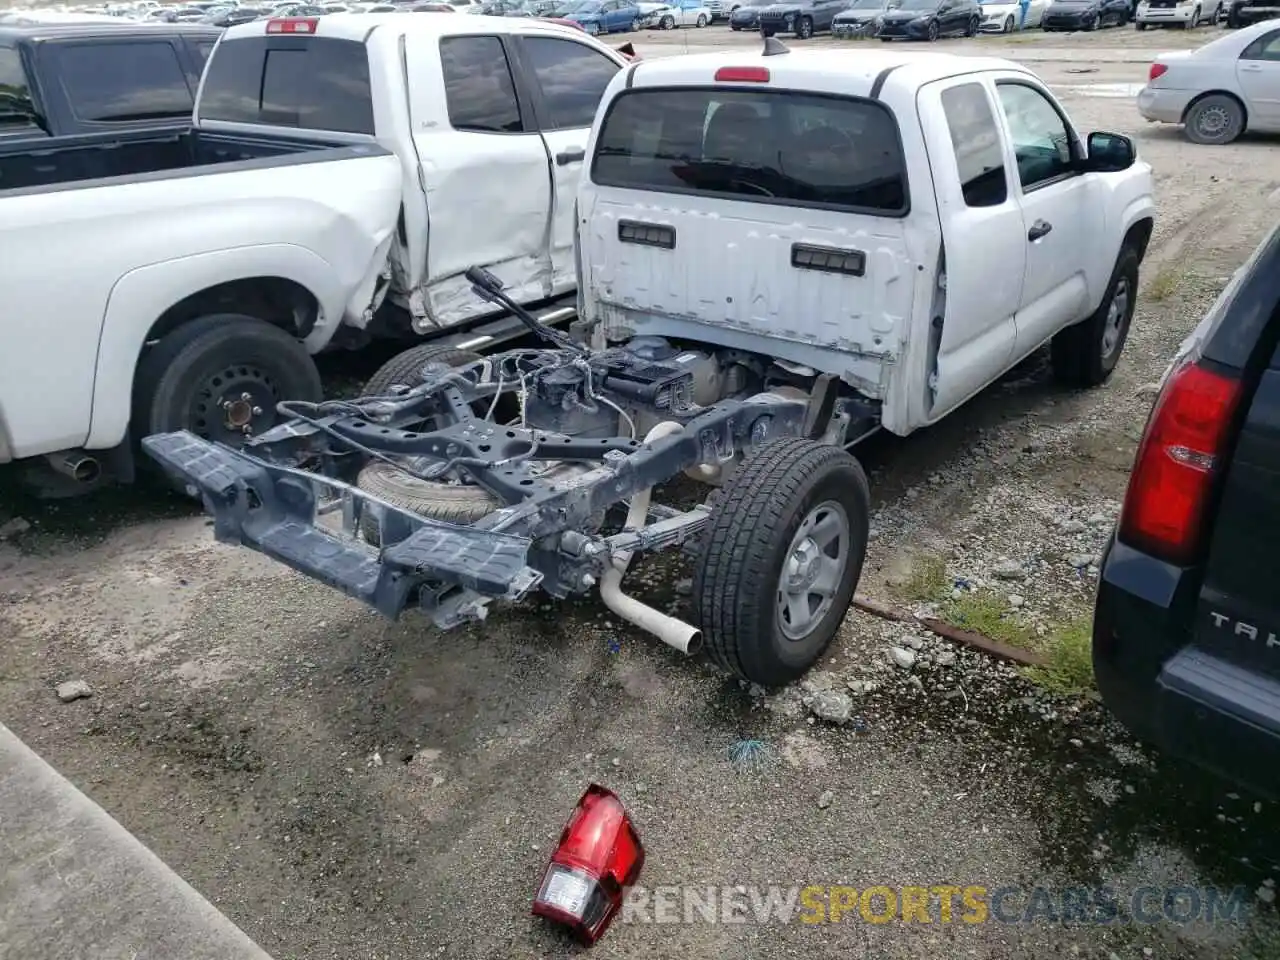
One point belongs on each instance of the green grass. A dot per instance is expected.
(1069, 672)
(989, 614)
(1165, 283)
(927, 581)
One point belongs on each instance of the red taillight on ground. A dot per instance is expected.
(742, 75)
(1178, 457)
(1157, 70)
(293, 25)
(599, 855)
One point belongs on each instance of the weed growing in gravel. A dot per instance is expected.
(928, 580)
(989, 614)
(1069, 671)
(1164, 284)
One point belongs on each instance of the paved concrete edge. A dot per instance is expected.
(76, 884)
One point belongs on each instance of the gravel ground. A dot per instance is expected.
(345, 787)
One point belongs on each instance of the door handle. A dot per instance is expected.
(1250, 67)
(566, 157)
(1039, 229)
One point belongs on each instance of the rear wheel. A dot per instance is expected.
(221, 377)
(667, 23)
(1139, 25)
(933, 31)
(804, 29)
(1214, 120)
(701, 21)
(779, 563)
(405, 369)
(1086, 354)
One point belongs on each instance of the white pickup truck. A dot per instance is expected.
(912, 225)
(156, 281)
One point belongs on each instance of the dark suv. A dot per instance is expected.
(1186, 642)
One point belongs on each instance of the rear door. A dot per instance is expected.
(1258, 71)
(567, 78)
(985, 250)
(763, 213)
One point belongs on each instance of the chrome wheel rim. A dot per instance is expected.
(812, 569)
(1116, 313)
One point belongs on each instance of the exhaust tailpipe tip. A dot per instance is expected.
(77, 465)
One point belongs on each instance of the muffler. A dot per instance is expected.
(76, 464)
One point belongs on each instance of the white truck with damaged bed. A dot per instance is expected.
(778, 253)
(340, 175)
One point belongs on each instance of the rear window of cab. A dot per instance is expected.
(779, 147)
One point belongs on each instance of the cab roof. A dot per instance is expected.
(831, 71)
(359, 26)
(11, 34)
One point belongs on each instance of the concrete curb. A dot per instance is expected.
(76, 885)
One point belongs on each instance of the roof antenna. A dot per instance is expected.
(773, 47)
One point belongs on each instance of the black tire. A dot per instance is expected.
(734, 27)
(667, 23)
(1214, 120)
(1092, 23)
(933, 30)
(747, 546)
(1009, 24)
(405, 369)
(1139, 25)
(449, 502)
(1080, 354)
(700, 22)
(186, 380)
(972, 29)
(886, 39)
(804, 29)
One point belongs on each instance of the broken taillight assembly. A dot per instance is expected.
(599, 855)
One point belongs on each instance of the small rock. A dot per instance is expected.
(616, 761)
(1080, 560)
(74, 690)
(1074, 526)
(13, 528)
(861, 687)
(831, 705)
(947, 658)
(1009, 570)
(826, 799)
(1147, 951)
(684, 586)
(1147, 391)
(1267, 894)
(1016, 601)
(903, 658)
(915, 643)
(1076, 742)
(1257, 806)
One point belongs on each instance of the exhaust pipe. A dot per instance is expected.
(76, 464)
(674, 633)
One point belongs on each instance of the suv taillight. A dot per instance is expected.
(1178, 459)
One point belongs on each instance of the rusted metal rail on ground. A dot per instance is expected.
(968, 638)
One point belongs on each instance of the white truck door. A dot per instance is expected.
(484, 170)
(984, 243)
(1060, 213)
(568, 78)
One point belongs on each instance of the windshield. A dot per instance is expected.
(918, 5)
(587, 6)
(866, 5)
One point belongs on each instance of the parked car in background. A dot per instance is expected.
(61, 80)
(603, 16)
(861, 18)
(746, 16)
(722, 9)
(1186, 628)
(1085, 14)
(1242, 13)
(1219, 90)
(681, 13)
(1006, 16)
(237, 16)
(429, 8)
(931, 19)
(803, 18)
(1186, 14)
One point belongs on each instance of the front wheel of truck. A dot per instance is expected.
(220, 377)
(1084, 355)
(780, 560)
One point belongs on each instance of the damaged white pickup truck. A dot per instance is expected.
(780, 253)
(161, 281)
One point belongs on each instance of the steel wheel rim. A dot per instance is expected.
(234, 404)
(1213, 121)
(812, 569)
(1116, 313)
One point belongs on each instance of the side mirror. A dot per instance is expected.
(1110, 152)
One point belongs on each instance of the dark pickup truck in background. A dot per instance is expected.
(75, 79)
(1186, 642)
